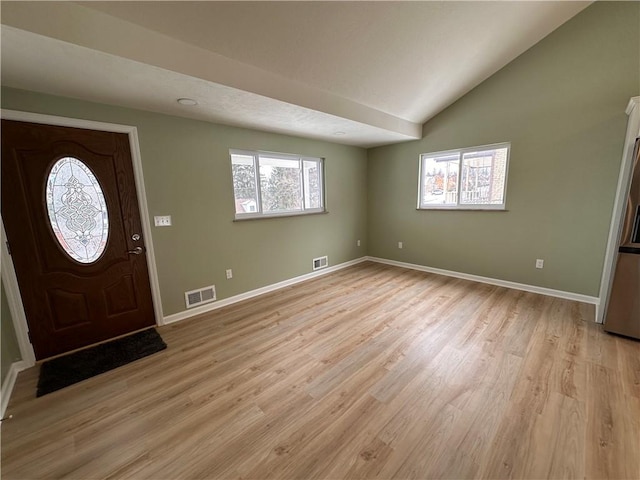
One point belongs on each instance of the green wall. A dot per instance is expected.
(561, 105)
(187, 175)
(9, 350)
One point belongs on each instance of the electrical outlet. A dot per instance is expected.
(229, 274)
(162, 220)
(358, 243)
(539, 263)
(399, 244)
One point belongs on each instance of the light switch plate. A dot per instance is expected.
(162, 220)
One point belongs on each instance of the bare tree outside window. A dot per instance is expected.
(284, 184)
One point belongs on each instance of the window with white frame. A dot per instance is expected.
(467, 178)
(273, 184)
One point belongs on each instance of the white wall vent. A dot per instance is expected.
(200, 296)
(320, 262)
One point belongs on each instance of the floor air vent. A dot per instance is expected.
(200, 296)
(320, 262)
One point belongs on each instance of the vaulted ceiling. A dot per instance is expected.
(359, 73)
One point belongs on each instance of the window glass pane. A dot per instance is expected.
(440, 180)
(280, 184)
(267, 184)
(483, 177)
(467, 178)
(244, 183)
(312, 188)
(77, 210)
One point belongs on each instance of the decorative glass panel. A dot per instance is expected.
(77, 210)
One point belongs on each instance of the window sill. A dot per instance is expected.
(282, 215)
(455, 209)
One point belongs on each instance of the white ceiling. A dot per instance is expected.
(375, 71)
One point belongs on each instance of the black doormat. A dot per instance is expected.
(75, 367)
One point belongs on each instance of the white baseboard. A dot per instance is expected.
(176, 317)
(9, 382)
(578, 297)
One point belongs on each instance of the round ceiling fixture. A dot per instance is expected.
(188, 102)
(339, 133)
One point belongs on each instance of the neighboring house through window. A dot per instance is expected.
(467, 178)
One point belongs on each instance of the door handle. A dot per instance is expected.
(136, 251)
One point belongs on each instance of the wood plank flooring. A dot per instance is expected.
(370, 372)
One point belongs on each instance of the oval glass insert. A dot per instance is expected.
(77, 210)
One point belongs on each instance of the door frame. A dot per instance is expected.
(622, 190)
(7, 269)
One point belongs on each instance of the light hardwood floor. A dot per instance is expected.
(369, 372)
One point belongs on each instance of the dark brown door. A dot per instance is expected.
(71, 215)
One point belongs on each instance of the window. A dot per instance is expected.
(468, 178)
(272, 184)
(77, 210)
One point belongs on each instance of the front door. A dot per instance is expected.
(71, 215)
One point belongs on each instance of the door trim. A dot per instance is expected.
(9, 278)
(619, 204)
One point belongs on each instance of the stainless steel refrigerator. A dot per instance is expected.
(623, 309)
